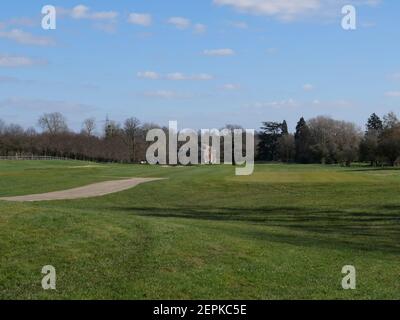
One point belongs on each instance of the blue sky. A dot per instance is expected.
(204, 63)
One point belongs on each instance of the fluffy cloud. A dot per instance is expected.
(180, 76)
(184, 24)
(26, 38)
(179, 22)
(18, 61)
(219, 52)
(284, 9)
(84, 12)
(142, 19)
(288, 10)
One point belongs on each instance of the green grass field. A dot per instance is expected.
(283, 233)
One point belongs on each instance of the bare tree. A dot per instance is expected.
(88, 126)
(53, 123)
(390, 120)
(131, 130)
(111, 129)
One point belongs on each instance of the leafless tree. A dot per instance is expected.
(131, 131)
(390, 120)
(88, 126)
(53, 123)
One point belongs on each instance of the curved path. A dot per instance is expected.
(89, 191)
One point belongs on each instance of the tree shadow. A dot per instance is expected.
(374, 229)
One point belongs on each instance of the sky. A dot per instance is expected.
(203, 63)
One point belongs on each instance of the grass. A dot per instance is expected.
(283, 233)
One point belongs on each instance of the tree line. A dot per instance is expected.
(317, 140)
(113, 142)
(124, 142)
(326, 140)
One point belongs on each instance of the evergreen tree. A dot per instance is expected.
(374, 123)
(370, 143)
(302, 142)
(285, 130)
(269, 141)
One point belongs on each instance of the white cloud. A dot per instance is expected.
(26, 38)
(84, 12)
(219, 52)
(184, 24)
(231, 86)
(288, 10)
(18, 61)
(148, 75)
(176, 76)
(308, 87)
(272, 50)
(179, 22)
(180, 76)
(392, 94)
(283, 9)
(142, 19)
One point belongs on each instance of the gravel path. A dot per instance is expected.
(89, 191)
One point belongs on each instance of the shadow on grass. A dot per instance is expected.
(375, 229)
(375, 169)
